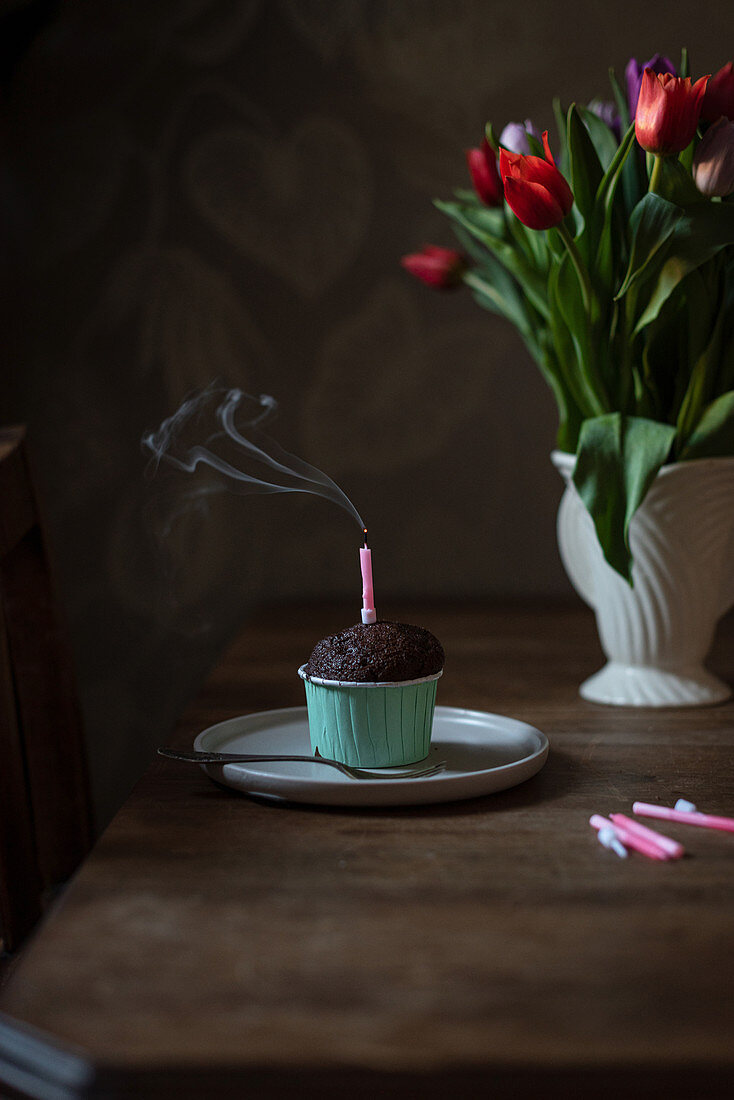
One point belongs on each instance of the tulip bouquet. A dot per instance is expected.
(614, 260)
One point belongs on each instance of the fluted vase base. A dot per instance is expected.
(656, 632)
(637, 686)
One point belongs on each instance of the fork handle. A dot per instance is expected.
(195, 756)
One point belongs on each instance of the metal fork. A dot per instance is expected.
(194, 756)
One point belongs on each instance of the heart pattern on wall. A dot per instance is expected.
(298, 204)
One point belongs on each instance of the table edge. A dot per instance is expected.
(44, 1068)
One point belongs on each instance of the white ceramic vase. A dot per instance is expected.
(657, 633)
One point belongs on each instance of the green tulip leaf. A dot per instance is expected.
(570, 302)
(674, 183)
(726, 367)
(608, 186)
(470, 244)
(606, 194)
(665, 361)
(482, 225)
(570, 328)
(535, 145)
(713, 436)
(617, 460)
(652, 223)
(704, 339)
(684, 69)
(620, 99)
(634, 178)
(685, 159)
(604, 141)
(487, 221)
(698, 235)
(584, 167)
(466, 196)
(560, 116)
(495, 289)
(491, 136)
(532, 243)
(569, 417)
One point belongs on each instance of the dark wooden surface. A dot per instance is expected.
(213, 944)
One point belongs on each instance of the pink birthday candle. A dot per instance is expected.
(369, 615)
(671, 847)
(644, 847)
(687, 817)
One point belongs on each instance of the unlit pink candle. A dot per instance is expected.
(369, 615)
(644, 847)
(673, 849)
(686, 817)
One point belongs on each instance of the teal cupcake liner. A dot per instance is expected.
(371, 725)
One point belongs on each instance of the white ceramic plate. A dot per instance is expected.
(483, 753)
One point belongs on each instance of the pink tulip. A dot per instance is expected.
(713, 164)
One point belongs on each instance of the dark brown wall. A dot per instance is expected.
(222, 189)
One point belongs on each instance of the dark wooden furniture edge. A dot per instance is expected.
(32, 1064)
(46, 825)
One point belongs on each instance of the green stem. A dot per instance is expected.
(655, 175)
(580, 266)
(476, 282)
(595, 386)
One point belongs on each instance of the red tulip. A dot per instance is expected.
(534, 188)
(667, 112)
(718, 98)
(437, 267)
(482, 164)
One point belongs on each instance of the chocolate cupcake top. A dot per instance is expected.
(373, 652)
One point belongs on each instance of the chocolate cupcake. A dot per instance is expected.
(371, 692)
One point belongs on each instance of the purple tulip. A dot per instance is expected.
(633, 74)
(514, 137)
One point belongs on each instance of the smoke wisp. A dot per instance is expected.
(220, 429)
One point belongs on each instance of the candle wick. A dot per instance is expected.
(365, 538)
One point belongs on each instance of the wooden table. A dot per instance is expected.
(215, 945)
